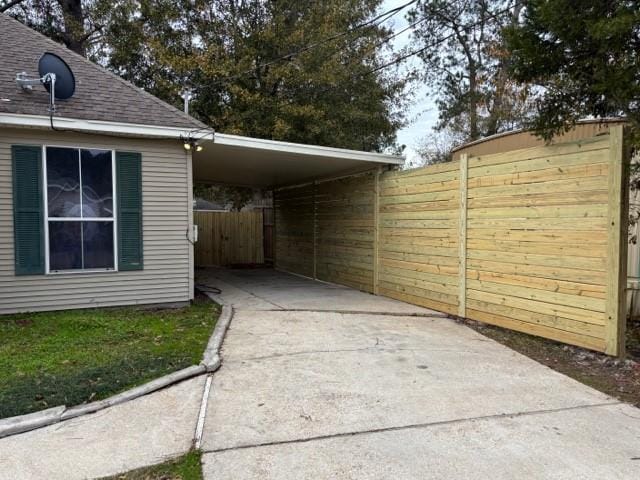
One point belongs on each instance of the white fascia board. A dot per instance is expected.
(130, 129)
(302, 149)
(98, 126)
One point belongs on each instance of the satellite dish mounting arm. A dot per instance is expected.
(28, 83)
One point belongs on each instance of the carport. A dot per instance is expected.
(324, 201)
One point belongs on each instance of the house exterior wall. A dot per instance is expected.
(167, 218)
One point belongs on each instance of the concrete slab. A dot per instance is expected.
(582, 444)
(142, 432)
(319, 394)
(259, 334)
(335, 374)
(267, 289)
(231, 295)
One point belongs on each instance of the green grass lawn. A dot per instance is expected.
(183, 468)
(77, 356)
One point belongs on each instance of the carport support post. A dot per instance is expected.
(462, 238)
(617, 244)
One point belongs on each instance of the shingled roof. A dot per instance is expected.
(100, 95)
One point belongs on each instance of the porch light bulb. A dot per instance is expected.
(199, 148)
(187, 146)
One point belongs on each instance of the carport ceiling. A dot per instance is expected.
(236, 160)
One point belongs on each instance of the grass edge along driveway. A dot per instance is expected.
(72, 357)
(187, 467)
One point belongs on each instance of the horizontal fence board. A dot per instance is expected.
(536, 306)
(589, 223)
(579, 263)
(593, 277)
(579, 339)
(542, 163)
(541, 283)
(543, 235)
(550, 187)
(544, 151)
(520, 246)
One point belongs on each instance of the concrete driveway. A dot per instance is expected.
(320, 381)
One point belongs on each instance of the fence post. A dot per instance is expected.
(376, 229)
(314, 206)
(462, 238)
(616, 245)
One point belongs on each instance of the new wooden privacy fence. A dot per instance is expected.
(533, 240)
(227, 238)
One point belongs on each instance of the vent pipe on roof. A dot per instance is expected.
(187, 95)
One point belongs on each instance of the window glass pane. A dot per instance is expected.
(63, 182)
(65, 251)
(98, 244)
(97, 183)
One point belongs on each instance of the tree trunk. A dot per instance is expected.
(74, 31)
(474, 132)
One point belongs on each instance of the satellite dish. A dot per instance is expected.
(65, 82)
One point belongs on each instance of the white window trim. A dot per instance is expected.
(45, 190)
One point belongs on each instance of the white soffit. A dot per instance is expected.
(237, 160)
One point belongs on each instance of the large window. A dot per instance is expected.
(80, 216)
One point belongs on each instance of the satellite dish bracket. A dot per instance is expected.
(27, 83)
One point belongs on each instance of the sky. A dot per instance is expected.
(423, 114)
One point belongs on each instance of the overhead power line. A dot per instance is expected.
(433, 44)
(377, 20)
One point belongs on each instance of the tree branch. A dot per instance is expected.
(6, 6)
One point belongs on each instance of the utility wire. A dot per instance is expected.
(383, 17)
(432, 45)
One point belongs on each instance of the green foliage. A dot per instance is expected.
(71, 357)
(465, 62)
(322, 96)
(241, 57)
(584, 56)
(187, 467)
(227, 195)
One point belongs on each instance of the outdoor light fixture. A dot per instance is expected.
(190, 144)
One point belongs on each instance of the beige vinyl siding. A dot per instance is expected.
(167, 274)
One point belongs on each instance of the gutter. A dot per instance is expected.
(101, 127)
(304, 149)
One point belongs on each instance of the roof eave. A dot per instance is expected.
(169, 132)
(304, 149)
(100, 127)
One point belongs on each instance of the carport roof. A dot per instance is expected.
(237, 160)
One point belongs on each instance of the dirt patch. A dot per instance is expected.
(23, 322)
(615, 377)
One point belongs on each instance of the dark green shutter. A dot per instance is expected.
(129, 216)
(28, 220)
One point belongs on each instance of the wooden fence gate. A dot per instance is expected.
(228, 238)
(532, 240)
